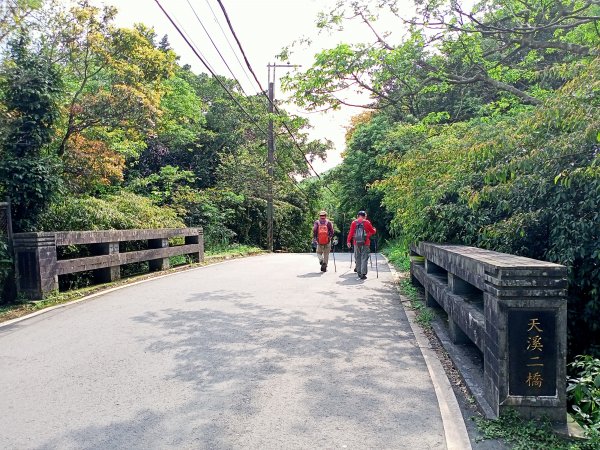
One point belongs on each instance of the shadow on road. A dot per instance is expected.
(228, 345)
(350, 281)
(311, 275)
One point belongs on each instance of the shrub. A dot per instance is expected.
(120, 212)
(523, 434)
(397, 252)
(583, 391)
(525, 182)
(212, 209)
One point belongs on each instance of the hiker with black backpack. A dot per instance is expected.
(355, 248)
(360, 234)
(322, 235)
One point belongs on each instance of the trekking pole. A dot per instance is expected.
(377, 268)
(334, 264)
(333, 247)
(351, 254)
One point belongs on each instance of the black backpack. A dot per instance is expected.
(360, 235)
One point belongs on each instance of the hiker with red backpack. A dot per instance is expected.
(322, 235)
(360, 234)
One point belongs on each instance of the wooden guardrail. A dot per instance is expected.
(514, 310)
(38, 266)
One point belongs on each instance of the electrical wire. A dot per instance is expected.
(208, 67)
(228, 20)
(216, 48)
(204, 62)
(244, 70)
(195, 47)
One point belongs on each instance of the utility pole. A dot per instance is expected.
(271, 152)
(270, 162)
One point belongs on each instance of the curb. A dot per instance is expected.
(116, 288)
(455, 429)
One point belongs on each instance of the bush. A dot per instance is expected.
(212, 209)
(397, 252)
(228, 217)
(523, 434)
(31, 184)
(120, 212)
(583, 391)
(525, 182)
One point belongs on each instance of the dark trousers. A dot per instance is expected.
(362, 259)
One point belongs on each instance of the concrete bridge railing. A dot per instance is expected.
(514, 310)
(38, 266)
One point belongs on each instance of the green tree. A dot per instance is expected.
(28, 172)
(112, 76)
(481, 129)
(510, 51)
(361, 170)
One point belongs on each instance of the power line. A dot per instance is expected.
(263, 91)
(240, 45)
(244, 70)
(216, 48)
(195, 47)
(205, 64)
(187, 40)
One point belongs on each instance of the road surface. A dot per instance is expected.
(258, 353)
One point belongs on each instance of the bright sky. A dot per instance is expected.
(264, 27)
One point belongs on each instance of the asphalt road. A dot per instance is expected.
(258, 353)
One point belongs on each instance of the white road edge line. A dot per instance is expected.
(455, 429)
(116, 288)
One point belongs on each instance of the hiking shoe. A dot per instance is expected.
(363, 277)
(355, 269)
(323, 267)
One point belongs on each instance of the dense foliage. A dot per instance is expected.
(101, 127)
(483, 129)
(30, 86)
(584, 392)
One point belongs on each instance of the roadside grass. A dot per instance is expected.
(233, 250)
(424, 315)
(23, 307)
(523, 434)
(397, 253)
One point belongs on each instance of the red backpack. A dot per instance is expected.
(323, 233)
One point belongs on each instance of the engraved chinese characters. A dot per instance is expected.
(532, 352)
(534, 343)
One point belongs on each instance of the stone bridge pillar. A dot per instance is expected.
(161, 263)
(197, 239)
(35, 255)
(107, 274)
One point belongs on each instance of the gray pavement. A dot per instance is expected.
(259, 353)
